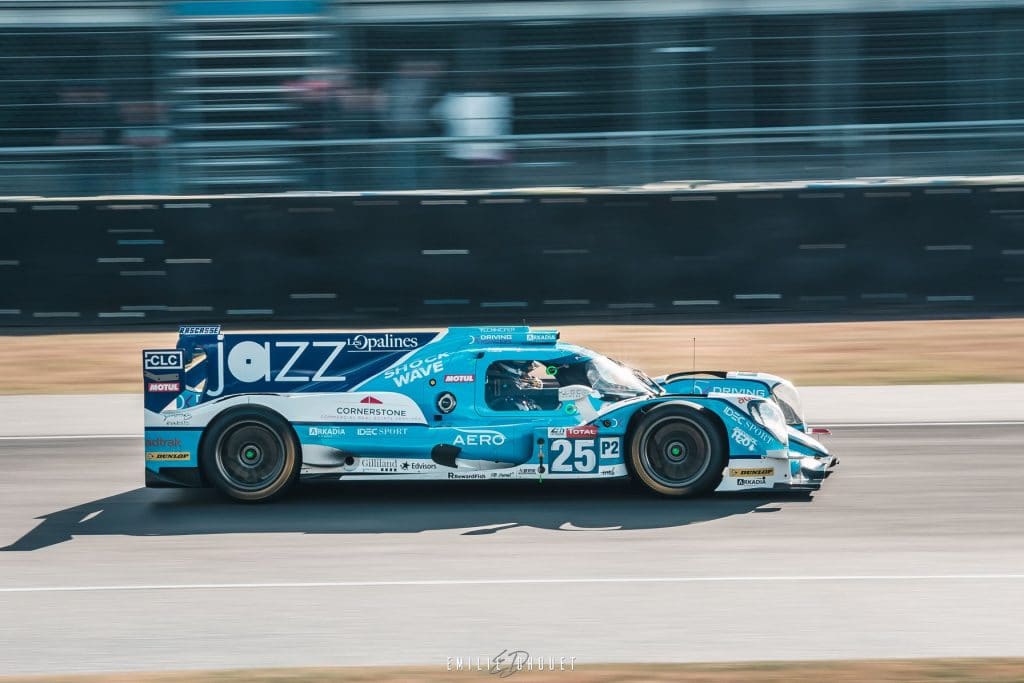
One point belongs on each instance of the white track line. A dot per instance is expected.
(517, 582)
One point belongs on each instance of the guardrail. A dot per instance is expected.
(819, 248)
(575, 159)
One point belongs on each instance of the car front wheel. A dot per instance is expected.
(678, 451)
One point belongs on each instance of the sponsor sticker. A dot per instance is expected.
(414, 466)
(372, 400)
(163, 360)
(584, 432)
(378, 465)
(737, 390)
(420, 368)
(459, 379)
(326, 431)
(479, 437)
(474, 475)
(163, 387)
(744, 439)
(186, 330)
(373, 343)
(751, 471)
(162, 442)
(758, 481)
(168, 455)
(177, 419)
(382, 431)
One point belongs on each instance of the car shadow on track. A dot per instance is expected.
(472, 508)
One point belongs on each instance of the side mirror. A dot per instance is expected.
(573, 392)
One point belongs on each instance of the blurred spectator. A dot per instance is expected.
(357, 107)
(409, 96)
(313, 121)
(476, 114)
(146, 132)
(87, 119)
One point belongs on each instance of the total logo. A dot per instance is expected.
(370, 343)
(419, 368)
(479, 437)
(582, 432)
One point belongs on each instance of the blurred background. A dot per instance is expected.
(211, 96)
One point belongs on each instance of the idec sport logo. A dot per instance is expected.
(163, 387)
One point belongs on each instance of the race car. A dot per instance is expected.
(251, 414)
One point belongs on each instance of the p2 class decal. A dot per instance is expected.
(289, 363)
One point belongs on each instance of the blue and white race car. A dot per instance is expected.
(253, 413)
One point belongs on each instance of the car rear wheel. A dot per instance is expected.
(678, 451)
(251, 455)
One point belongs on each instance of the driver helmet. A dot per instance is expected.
(516, 373)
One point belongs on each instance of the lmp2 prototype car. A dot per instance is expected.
(253, 413)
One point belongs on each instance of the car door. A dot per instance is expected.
(518, 411)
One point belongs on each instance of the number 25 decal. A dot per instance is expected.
(573, 455)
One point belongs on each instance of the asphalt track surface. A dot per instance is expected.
(914, 548)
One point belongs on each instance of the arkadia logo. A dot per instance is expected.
(163, 360)
(326, 431)
(479, 437)
(370, 343)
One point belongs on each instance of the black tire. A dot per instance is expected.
(678, 451)
(251, 454)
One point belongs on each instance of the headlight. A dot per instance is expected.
(770, 416)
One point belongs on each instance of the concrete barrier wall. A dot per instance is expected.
(830, 249)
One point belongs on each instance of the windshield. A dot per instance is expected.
(785, 394)
(615, 381)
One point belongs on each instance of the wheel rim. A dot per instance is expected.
(250, 456)
(675, 452)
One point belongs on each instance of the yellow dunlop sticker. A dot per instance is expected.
(751, 471)
(165, 455)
